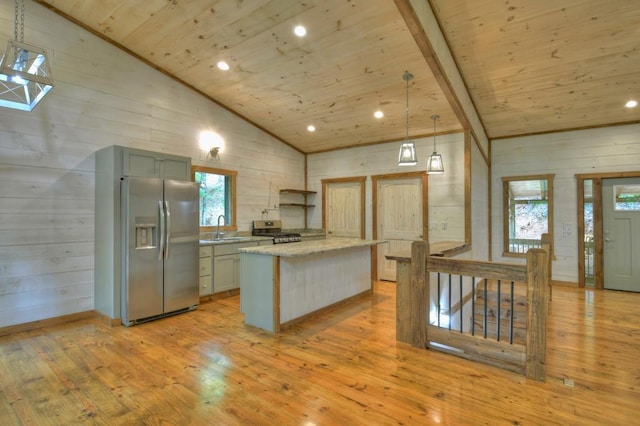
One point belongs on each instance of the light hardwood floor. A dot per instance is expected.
(341, 368)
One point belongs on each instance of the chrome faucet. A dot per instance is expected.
(218, 229)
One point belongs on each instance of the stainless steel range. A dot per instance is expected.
(273, 229)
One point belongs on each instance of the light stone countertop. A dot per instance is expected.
(306, 248)
(234, 239)
(305, 232)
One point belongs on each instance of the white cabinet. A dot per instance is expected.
(226, 265)
(220, 266)
(137, 162)
(226, 274)
(206, 266)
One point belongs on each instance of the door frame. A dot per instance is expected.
(598, 223)
(375, 179)
(356, 179)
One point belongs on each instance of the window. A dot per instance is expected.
(527, 212)
(217, 197)
(627, 197)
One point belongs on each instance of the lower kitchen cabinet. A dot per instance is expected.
(220, 266)
(226, 272)
(206, 277)
(226, 264)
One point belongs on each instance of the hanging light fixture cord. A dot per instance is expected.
(434, 118)
(18, 25)
(19, 19)
(407, 76)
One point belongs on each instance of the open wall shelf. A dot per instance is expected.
(297, 191)
(302, 192)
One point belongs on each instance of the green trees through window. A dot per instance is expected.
(627, 197)
(527, 212)
(217, 196)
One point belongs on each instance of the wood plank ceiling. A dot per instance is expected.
(530, 67)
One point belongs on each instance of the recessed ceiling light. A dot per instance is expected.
(311, 128)
(223, 66)
(300, 31)
(631, 104)
(378, 114)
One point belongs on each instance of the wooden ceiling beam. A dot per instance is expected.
(424, 27)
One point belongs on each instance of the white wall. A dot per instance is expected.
(102, 97)
(612, 149)
(479, 207)
(446, 192)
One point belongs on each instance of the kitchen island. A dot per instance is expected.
(283, 284)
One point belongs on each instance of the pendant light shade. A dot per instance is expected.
(435, 166)
(25, 76)
(407, 154)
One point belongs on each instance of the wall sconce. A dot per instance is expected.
(211, 143)
(214, 152)
(435, 166)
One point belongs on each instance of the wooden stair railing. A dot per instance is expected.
(527, 356)
(547, 246)
(511, 311)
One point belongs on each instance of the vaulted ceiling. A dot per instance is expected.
(529, 66)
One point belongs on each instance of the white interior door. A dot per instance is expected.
(344, 209)
(621, 222)
(399, 220)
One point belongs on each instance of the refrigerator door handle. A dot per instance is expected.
(162, 230)
(168, 236)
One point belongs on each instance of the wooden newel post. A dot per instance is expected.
(419, 294)
(547, 245)
(538, 297)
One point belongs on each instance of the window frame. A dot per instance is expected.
(505, 208)
(233, 175)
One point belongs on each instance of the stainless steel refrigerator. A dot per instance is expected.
(160, 237)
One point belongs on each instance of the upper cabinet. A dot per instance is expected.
(142, 163)
(292, 202)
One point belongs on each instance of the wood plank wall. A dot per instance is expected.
(612, 149)
(446, 192)
(479, 207)
(102, 97)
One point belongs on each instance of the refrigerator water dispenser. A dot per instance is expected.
(146, 235)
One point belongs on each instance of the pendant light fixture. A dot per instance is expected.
(407, 155)
(435, 166)
(25, 77)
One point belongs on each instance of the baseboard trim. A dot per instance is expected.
(107, 320)
(287, 325)
(219, 296)
(47, 322)
(564, 284)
